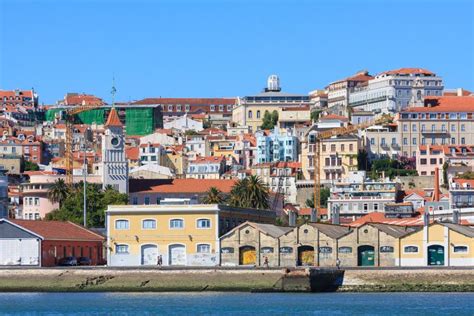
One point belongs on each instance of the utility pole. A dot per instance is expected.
(84, 170)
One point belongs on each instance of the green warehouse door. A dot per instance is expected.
(366, 256)
(436, 255)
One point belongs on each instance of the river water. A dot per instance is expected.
(218, 303)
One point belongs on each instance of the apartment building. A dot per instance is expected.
(338, 91)
(395, 90)
(276, 146)
(447, 120)
(338, 156)
(357, 196)
(151, 154)
(382, 141)
(206, 168)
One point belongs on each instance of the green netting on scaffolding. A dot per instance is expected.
(51, 114)
(139, 121)
(92, 116)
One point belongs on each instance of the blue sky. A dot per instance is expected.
(225, 48)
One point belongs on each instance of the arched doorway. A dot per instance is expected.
(247, 255)
(306, 256)
(149, 255)
(177, 255)
(365, 256)
(435, 255)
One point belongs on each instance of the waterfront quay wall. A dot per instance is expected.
(227, 279)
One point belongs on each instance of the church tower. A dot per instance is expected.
(114, 161)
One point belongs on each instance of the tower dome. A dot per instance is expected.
(273, 83)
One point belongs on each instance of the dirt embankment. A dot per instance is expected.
(151, 280)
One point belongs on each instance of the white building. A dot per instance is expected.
(184, 123)
(394, 90)
(151, 154)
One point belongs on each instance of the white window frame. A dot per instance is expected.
(148, 219)
(122, 253)
(176, 219)
(203, 244)
(122, 219)
(203, 219)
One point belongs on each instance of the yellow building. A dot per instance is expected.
(443, 244)
(180, 234)
(338, 156)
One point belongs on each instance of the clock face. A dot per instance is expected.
(115, 141)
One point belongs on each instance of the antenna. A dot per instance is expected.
(113, 92)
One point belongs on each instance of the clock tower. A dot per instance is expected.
(114, 161)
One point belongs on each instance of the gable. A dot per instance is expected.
(9, 230)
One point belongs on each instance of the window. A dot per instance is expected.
(227, 250)
(460, 248)
(325, 250)
(463, 116)
(405, 141)
(351, 147)
(413, 128)
(433, 141)
(147, 200)
(463, 141)
(120, 249)
(250, 114)
(432, 161)
(394, 141)
(453, 128)
(286, 250)
(453, 141)
(170, 108)
(121, 224)
(176, 223)
(382, 141)
(342, 147)
(423, 141)
(372, 141)
(405, 127)
(213, 107)
(258, 114)
(414, 141)
(463, 128)
(221, 108)
(345, 250)
(423, 161)
(186, 107)
(134, 200)
(204, 223)
(149, 224)
(376, 206)
(203, 248)
(386, 249)
(366, 206)
(453, 116)
(333, 148)
(411, 249)
(266, 250)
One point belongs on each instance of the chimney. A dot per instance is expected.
(436, 193)
(426, 218)
(335, 215)
(314, 215)
(456, 219)
(291, 218)
(459, 92)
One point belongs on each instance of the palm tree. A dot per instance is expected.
(250, 192)
(257, 193)
(213, 196)
(58, 192)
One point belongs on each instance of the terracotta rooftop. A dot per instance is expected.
(184, 101)
(132, 153)
(179, 186)
(83, 99)
(113, 119)
(445, 104)
(334, 117)
(407, 71)
(12, 93)
(379, 217)
(57, 230)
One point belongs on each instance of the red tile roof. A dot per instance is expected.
(464, 93)
(462, 181)
(445, 104)
(210, 159)
(113, 119)
(407, 71)
(190, 101)
(306, 211)
(334, 117)
(379, 217)
(179, 185)
(83, 99)
(57, 230)
(12, 93)
(132, 153)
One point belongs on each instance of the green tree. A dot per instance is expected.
(315, 116)
(468, 175)
(58, 192)
(97, 202)
(31, 166)
(363, 160)
(267, 122)
(324, 196)
(213, 196)
(274, 117)
(250, 192)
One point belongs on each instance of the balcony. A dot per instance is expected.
(333, 168)
(435, 131)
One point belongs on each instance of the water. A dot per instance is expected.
(236, 304)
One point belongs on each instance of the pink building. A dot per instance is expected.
(428, 158)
